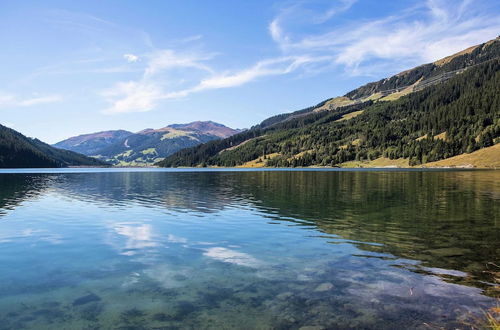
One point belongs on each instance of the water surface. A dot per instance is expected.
(119, 249)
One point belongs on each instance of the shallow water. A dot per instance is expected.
(117, 249)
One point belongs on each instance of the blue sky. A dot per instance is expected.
(73, 67)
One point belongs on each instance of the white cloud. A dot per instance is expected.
(11, 100)
(270, 67)
(132, 96)
(414, 36)
(276, 66)
(276, 31)
(131, 58)
(145, 93)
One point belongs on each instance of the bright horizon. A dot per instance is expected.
(76, 68)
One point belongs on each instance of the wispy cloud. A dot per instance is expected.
(77, 21)
(338, 8)
(270, 67)
(191, 38)
(75, 67)
(144, 94)
(168, 59)
(423, 33)
(304, 14)
(12, 100)
(39, 100)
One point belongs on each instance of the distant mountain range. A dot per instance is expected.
(90, 144)
(19, 151)
(420, 116)
(148, 146)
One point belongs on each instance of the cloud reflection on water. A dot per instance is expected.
(232, 257)
(137, 237)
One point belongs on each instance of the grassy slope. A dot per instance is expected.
(258, 162)
(482, 158)
(377, 163)
(350, 115)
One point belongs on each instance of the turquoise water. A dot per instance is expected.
(155, 249)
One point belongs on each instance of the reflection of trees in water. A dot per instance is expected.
(445, 219)
(16, 188)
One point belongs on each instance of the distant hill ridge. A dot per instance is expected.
(207, 127)
(89, 144)
(147, 146)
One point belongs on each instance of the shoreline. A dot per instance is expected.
(235, 169)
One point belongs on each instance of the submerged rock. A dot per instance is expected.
(324, 287)
(91, 312)
(160, 317)
(86, 299)
(284, 295)
(182, 310)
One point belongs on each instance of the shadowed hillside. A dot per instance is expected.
(18, 151)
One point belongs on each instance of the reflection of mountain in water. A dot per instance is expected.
(180, 192)
(446, 220)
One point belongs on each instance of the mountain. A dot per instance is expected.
(19, 151)
(147, 146)
(90, 144)
(206, 127)
(426, 114)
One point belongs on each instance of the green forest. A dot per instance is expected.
(19, 151)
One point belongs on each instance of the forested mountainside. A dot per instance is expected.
(147, 146)
(405, 82)
(432, 112)
(19, 151)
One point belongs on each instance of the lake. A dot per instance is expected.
(226, 249)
